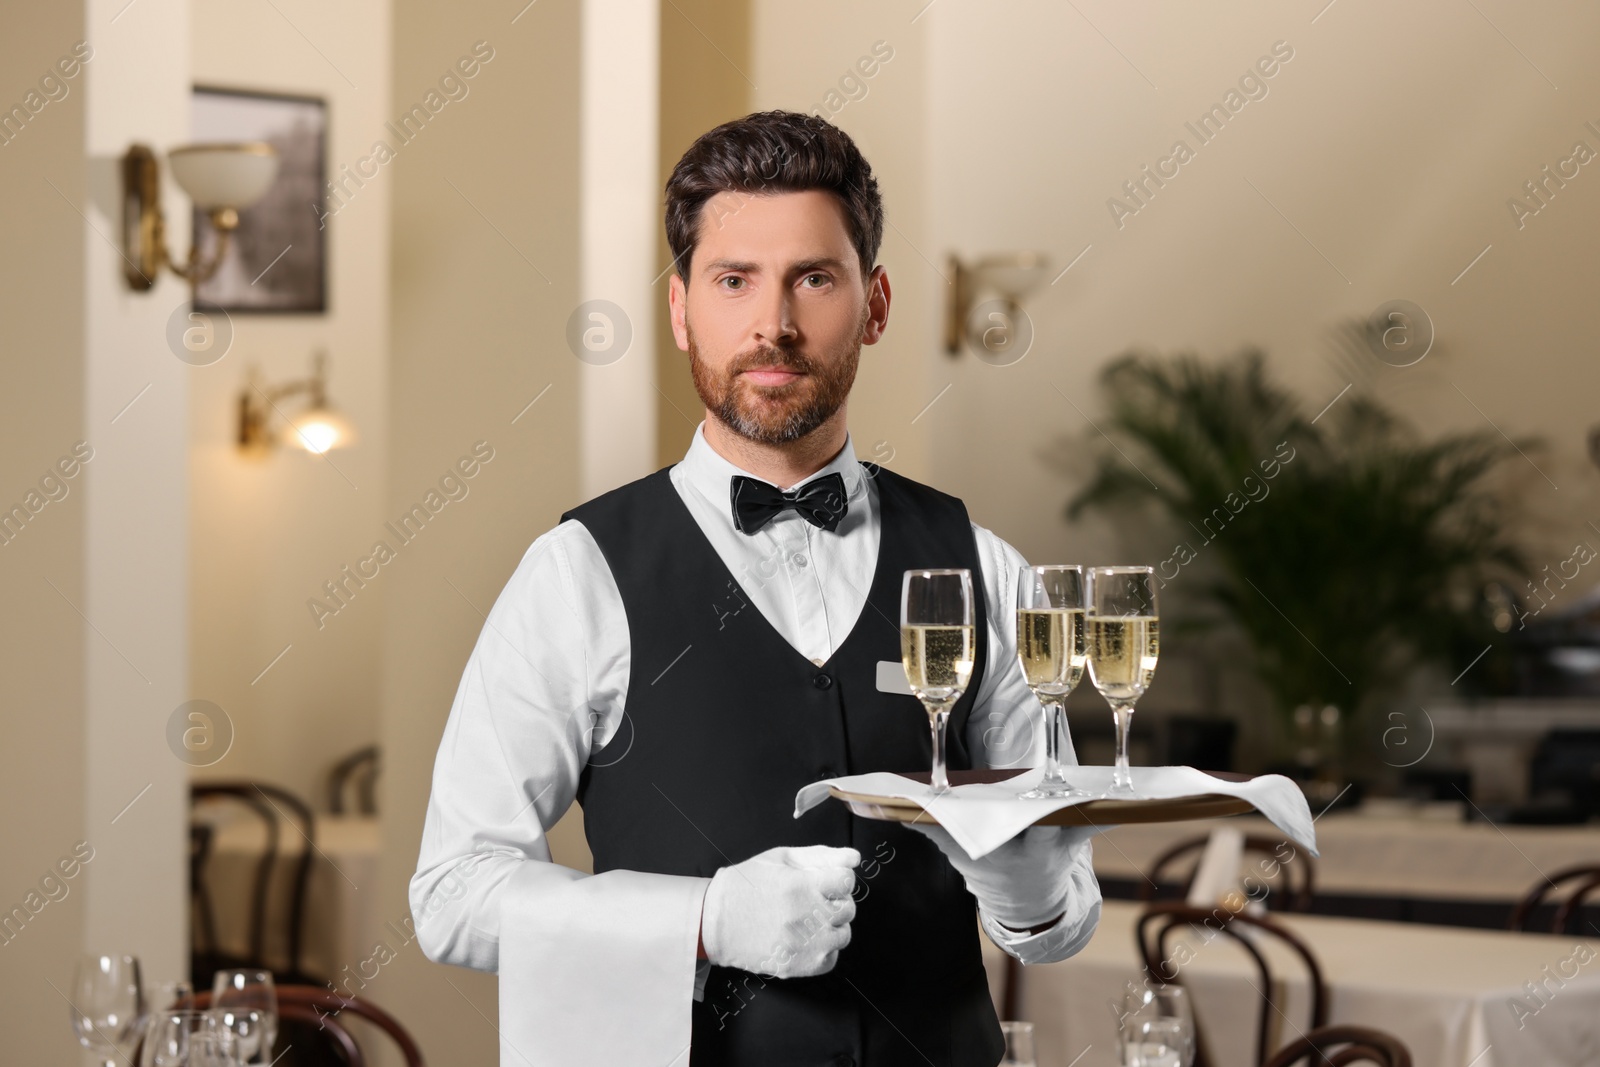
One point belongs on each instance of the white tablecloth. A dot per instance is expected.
(1389, 856)
(1447, 993)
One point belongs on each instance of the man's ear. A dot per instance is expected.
(678, 305)
(878, 296)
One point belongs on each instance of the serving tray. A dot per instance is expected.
(1088, 813)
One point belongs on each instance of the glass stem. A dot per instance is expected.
(1121, 778)
(1054, 712)
(937, 718)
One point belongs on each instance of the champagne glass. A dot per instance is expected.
(1050, 646)
(1156, 1028)
(185, 1037)
(246, 990)
(107, 1004)
(936, 648)
(1122, 630)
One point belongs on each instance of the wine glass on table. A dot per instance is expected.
(936, 648)
(186, 1037)
(248, 1002)
(1122, 631)
(1050, 646)
(1156, 1028)
(107, 1004)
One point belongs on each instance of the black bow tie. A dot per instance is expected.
(821, 502)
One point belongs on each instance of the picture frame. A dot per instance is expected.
(276, 261)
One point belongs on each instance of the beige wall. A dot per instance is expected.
(41, 416)
(480, 210)
(268, 532)
(1394, 160)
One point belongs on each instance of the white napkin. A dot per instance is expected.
(983, 816)
(1217, 873)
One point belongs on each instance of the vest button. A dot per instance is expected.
(824, 773)
(822, 681)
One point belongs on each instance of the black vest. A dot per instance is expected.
(725, 721)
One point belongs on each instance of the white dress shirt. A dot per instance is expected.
(593, 964)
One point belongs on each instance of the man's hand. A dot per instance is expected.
(1023, 884)
(785, 912)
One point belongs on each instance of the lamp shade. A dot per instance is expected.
(1015, 275)
(224, 175)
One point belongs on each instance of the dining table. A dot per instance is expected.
(1456, 997)
(1389, 850)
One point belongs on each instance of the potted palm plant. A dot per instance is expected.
(1345, 548)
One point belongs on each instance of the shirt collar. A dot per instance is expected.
(710, 474)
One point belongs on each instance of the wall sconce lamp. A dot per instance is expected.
(219, 178)
(1010, 277)
(317, 428)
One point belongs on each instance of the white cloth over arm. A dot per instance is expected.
(1006, 729)
(593, 968)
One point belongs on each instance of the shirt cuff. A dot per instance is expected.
(1063, 938)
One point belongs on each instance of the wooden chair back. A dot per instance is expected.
(1585, 882)
(1293, 871)
(273, 806)
(1161, 920)
(361, 767)
(1335, 1046)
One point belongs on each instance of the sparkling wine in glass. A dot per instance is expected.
(108, 1005)
(238, 992)
(937, 645)
(1050, 646)
(1123, 634)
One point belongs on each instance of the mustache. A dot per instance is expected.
(787, 358)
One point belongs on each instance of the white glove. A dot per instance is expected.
(783, 913)
(1024, 882)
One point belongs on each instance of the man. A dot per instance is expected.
(683, 654)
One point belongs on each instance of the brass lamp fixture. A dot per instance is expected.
(219, 178)
(1009, 277)
(317, 427)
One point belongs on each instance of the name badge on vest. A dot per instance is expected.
(892, 677)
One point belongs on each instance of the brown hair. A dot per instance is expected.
(773, 152)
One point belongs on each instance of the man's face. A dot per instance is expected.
(775, 312)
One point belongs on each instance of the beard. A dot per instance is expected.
(777, 414)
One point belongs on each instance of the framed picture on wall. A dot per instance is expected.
(277, 258)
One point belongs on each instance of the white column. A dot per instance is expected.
(621, 214)
(135, 595)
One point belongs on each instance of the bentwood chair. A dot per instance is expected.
(1335, 1046)
(1292, 884)
(1160, 921)
(272, 806)
(1585, 883)
(360, 768)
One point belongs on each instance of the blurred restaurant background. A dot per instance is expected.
(1331, 368)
